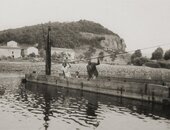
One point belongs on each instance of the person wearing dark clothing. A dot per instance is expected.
(92, 70)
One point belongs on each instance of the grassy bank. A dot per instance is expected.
(136, 72)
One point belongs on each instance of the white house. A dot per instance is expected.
(12, 44)
(11, 50)
(70, 53)
(32, 50)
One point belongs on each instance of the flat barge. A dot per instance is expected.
(157, 91)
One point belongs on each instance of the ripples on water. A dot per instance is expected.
(34, 106)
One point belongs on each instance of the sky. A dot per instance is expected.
(141, 23)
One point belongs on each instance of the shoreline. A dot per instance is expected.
(117, 71)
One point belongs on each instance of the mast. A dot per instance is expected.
(48, 53)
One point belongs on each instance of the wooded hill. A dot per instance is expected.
(67, 34)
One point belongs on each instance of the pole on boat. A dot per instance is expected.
(48, 53)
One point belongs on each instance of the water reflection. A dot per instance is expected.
(47, 107)
(67, 104)
(87, 108)
(41, 98)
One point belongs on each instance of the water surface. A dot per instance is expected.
(39, 107)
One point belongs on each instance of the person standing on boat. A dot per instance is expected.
(66, 69)
(92, 70)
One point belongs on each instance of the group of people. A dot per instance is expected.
(91, 70)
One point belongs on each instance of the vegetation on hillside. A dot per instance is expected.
(62, 35)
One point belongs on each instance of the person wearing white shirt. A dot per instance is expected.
(66, 69)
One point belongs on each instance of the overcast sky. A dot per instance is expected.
(141, 23)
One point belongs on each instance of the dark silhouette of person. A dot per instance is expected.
(92, 70)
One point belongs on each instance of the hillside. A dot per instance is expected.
(73, 35)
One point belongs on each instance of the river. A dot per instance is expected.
(39, 107)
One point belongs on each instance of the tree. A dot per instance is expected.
(157, 54)
(167, 55)
(136, 54)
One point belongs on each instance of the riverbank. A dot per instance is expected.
(118, 71)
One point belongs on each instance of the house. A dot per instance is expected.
(69, 53)
(30, 50)
(12, 44)
(11, 50)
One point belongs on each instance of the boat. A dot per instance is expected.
(140, 89)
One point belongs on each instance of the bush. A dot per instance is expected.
(32, 55)
(139, 61)
(153, 64)
(164, 64)
(167, 55)
(157, 54)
